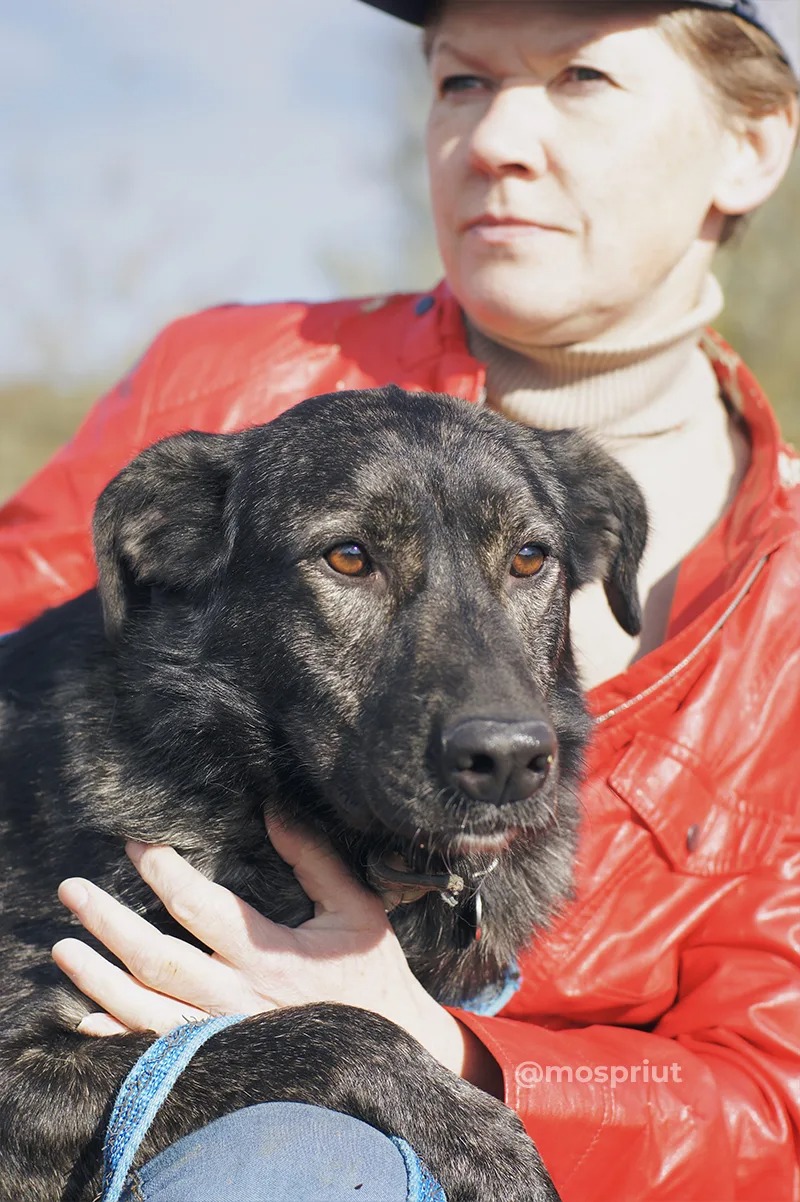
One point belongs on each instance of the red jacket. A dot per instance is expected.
(653, 1049)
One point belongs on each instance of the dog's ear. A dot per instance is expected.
(159, 524)
(605, 514)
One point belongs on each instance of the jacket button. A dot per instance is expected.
(693, 837)
(424, 305)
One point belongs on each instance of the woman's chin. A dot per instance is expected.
(526, 316)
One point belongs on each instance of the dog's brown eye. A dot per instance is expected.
(528, 561)
(348, 559)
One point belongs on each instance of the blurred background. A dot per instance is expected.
(164, 155)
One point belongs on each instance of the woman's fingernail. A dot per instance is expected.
(73, 893)
(100, 1024)
(69, 954)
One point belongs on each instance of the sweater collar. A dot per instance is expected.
(620, 390)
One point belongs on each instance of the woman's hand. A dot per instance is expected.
(346, 953)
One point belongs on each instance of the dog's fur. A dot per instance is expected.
(223, 671)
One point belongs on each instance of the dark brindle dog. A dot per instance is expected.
(356, 616)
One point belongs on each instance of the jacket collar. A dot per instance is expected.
(758, 520)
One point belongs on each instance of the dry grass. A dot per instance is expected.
(35, 422)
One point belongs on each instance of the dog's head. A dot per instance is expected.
(362, 609)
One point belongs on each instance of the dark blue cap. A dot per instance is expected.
(779, 18)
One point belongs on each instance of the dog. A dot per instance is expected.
(355, 617)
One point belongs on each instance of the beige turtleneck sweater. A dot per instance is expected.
(656, 408)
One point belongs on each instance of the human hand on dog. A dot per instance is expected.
(346, 953)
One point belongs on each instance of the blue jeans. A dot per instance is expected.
(284, 1152)
(273, 1152)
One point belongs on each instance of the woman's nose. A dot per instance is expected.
(509, 138)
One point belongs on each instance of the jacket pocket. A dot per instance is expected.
(702, 829)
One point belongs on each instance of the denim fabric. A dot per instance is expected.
(285, 1152)
(422, 1186)
(273, 1152)
(142, 1094)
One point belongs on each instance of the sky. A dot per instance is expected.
(162, 155)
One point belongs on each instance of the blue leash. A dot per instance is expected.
(142, 1093)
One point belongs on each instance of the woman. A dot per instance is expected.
(585, 162)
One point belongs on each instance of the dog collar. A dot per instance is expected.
(399, 885)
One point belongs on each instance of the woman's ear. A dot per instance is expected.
(756, 156)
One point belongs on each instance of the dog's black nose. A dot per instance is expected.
(497, 761)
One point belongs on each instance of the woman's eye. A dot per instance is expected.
(349, 559)
(585, 75)
(453, 84)
(528, 561)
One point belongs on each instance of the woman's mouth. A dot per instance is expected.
(507, 231)
(492, 228)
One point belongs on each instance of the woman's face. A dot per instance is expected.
(574, 157)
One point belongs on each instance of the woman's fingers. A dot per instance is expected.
(134, 1006)
(257, 963)
(324, 877)
(228, 925)
(211, 912)
(165, 964)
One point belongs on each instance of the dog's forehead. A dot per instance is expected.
(455, 474)
(402, 459)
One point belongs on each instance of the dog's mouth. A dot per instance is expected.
(468, 846)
